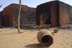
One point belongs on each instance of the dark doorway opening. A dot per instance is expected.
(2, 18)
(46, 18)
(5, 21)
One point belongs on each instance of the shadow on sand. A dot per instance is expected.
(34, 46)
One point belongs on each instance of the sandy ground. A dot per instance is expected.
(10, 38)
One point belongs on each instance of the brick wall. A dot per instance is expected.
(65, 14)
(27, 17)
(54, 8)
(60, 12)
(8, 16)
(50, 7)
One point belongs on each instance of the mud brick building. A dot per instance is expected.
(55, 13)
(10, 14)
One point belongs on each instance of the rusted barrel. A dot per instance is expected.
(45, 38)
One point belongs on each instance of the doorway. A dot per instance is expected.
(45, 18)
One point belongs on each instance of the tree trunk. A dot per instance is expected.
(19, 17)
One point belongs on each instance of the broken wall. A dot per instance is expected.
(51, 7)
(65, 14)
(10, 15)
(27, 17)
(7, 16)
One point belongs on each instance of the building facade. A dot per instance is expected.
(55, 13)
(10, 15)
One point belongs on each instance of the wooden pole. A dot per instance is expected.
(19, 17)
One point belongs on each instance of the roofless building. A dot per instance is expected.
(55, 13)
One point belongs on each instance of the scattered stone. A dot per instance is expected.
(65, 27)
(71, 46)
(61, 28)
(67, 43)
(55, 30)
(61, 44)
(65, 38)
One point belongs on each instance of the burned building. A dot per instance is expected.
(54, 13)
(10, 15)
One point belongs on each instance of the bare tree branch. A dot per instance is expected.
(0, 5)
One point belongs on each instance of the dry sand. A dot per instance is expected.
(10, 38)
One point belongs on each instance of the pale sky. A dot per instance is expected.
(30, 3)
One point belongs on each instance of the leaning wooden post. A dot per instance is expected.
(19, 17)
